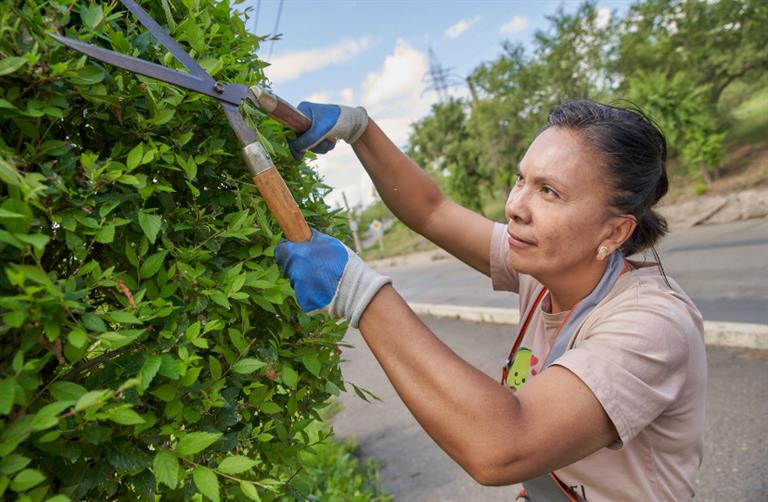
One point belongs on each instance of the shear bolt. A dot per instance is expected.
(218, 87)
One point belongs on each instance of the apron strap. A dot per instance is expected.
(549, 488)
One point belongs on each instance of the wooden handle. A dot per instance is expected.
(279, 109)
(282, 205)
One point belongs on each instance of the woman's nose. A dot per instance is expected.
(517, 205)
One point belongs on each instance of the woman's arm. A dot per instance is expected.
(499, 437)
(416, 201)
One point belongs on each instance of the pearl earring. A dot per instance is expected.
(602, 252)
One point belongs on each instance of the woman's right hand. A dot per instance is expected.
(329, 123)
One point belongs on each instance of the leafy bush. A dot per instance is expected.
(150, 345)
(682, 113)
(333, 472)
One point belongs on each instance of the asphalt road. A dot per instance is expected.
(414, 469)
(724, 268)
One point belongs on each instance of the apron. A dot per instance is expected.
(549, 488)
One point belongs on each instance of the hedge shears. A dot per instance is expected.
(266, 177)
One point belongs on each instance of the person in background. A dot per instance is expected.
(603, 394)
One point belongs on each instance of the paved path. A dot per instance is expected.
(414, 469)
(724, 268)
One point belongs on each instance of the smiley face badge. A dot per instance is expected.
(520, 368)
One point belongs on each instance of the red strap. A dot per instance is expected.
(521, 333)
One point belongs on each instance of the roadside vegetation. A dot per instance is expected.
(697, 68)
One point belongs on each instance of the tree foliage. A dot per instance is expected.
(150, 345)
(441, 142)
(673, 58)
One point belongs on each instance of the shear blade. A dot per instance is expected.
(232, 94)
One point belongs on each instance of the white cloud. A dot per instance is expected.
(319, 97)
(515, 25)
(397, 86)
(289, 66)
(394, 97)
(347, 96)
(456, 30)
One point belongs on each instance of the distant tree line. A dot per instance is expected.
(671, 58)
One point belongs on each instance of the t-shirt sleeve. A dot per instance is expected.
(634, 361)
(503, 277)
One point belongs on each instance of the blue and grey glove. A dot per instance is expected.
(329, 123)
(329, 277)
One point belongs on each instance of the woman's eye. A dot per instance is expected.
(549, 191)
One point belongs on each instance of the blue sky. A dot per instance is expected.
(375, 53)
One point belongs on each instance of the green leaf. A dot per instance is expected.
(163, 116)
(207, 483)
(38, 241)
(247, 365)
(105, 234)
(195, 442)
(11, 64)
(166, 468)
(92, 16)
(249, 490)
(78, 338)
(290, 377)
(93, 322)
(13, 463)
(134, 156)
(150, 224)
(124, 416)
(26, 479)
(152, 264)
(169, 368)
(270, 407)
(7, 394)
(90, 398)
(215, 367)
(90, 75)
(312, 363)
(66, 391)
(48, 415)
(123, 317)
(236, 464)
(148, 371)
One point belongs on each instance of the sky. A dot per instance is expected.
(376, 54)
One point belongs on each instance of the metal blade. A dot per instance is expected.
(164, 38)
(245, 134)
(232, 94)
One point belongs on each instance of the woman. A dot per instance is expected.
(605, 387)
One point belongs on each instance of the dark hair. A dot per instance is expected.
(635, 152)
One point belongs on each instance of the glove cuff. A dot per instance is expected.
(358, 285)
(353, 121)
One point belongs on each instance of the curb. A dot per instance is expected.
(728, 334)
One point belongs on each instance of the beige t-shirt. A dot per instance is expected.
(641, 352)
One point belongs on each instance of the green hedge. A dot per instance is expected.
(150, 345)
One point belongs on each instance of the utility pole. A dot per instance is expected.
(352, 224)
(472, 90)
(439, 78)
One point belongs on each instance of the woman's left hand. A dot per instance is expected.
(329, 277)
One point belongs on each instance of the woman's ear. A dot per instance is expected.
(621, 229)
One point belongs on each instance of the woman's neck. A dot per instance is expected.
(567, 290)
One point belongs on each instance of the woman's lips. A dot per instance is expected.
(518, 242)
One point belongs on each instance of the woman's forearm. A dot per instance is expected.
(460, 407)
(403, 186)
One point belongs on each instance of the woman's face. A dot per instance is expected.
(557, 212)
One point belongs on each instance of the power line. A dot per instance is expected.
(256, 18)
(274, 32)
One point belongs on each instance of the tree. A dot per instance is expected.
(681, 112)
(716, 43)
(441, 143)
(150, 345)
